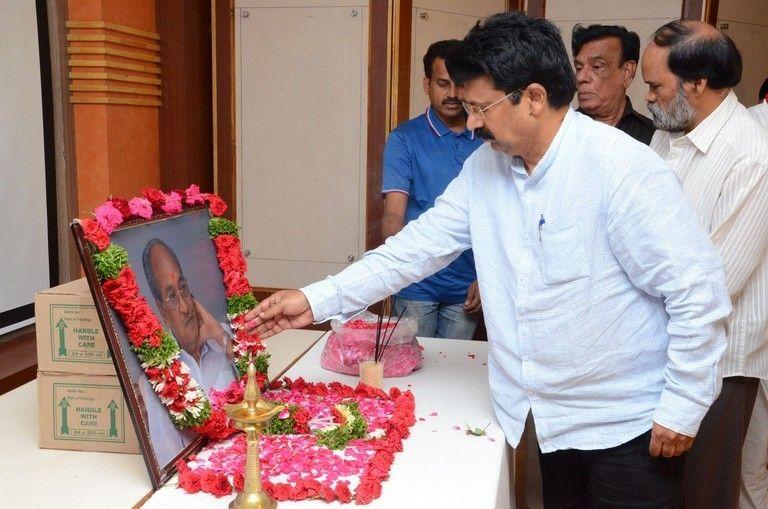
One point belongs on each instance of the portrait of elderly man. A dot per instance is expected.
(720, 154)
(605, 58)
(205, 345)
(604, 298)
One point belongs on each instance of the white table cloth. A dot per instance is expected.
(439, 466)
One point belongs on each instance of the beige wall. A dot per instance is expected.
(746, 22)
(641, 16)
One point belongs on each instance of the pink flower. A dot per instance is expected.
(140, 207)
(108, 217)
(172, 203)
(193, 196)
(284, 414)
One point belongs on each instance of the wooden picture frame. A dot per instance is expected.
(187, 237)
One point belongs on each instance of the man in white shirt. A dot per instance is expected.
(754, 461)
(603, 296)
(720, 155)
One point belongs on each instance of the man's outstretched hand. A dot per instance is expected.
(286, 309)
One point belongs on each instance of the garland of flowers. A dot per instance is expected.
(384, 445)
(155, 347)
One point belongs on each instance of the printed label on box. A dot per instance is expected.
(88, 412)
(77, 335)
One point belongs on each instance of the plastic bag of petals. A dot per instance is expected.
(353, 342)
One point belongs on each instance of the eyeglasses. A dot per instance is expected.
(173, 299)
(473, 109)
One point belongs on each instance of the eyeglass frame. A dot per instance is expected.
(172, 302)
(481, 111)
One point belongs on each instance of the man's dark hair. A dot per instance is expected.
(514, 51)
(150, 275)
(630, 41)
(439, 49)
(763, 91)
(693, 55)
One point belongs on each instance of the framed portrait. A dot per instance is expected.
(177, 270)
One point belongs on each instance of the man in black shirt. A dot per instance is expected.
(605, 59)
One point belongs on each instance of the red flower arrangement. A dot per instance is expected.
(155, 347)
(210, 474)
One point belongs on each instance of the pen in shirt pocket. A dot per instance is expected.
(541, 224)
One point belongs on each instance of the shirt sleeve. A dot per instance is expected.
(739, 224)
(397, 174)
(420, 249)
(665, 252)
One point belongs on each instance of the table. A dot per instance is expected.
(439, 466)
(33, 477)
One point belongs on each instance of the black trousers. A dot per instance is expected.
(619, 477)
(713, 469)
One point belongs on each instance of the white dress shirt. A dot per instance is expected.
(723, 167)
(760, 112)
(602, 295)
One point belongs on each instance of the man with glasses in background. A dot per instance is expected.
(421, 158)
(205, 345)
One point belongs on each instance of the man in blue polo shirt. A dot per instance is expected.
(421, 157)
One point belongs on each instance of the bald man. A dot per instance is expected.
(720, 155)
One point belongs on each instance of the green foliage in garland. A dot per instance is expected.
(219, 226)
(239, 304)
(285, 426)
(160, 356)
(110, 262)
(260, 362)
(338, 438)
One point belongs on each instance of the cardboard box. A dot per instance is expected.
(84, 413)
(70, 338)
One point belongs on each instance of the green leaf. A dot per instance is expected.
(160, 356)
(219, 226)
(260, 362)
(110, 262)
(278, 426)
(239, 304)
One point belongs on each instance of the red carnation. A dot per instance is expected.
(343, 493)
(93, 233)
(327, 493)
(216, 204)
(208, 481)
(369, 490)
(156, 197)
(239, 481)
(121, 204)
(217, 426)
(301, 417)
(222, 486)
(189, 481)
(236, 284)
(282, 491)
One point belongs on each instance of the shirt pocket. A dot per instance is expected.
(563, 255)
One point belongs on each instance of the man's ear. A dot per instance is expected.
(628, 72)
(426, 85)
(699, 85)
(537, 96)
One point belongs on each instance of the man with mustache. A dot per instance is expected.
(421, 158)
(603, 296)
(720, 155)
(605, 59)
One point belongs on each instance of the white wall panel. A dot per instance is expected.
(302, 82)
(23, 227)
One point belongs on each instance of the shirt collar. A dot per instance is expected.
(554, 147)
(440, 129)
(628, 109)
(704, 134)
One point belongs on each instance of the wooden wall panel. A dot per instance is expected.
(186, 126)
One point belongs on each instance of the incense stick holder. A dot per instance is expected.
(372, 373)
